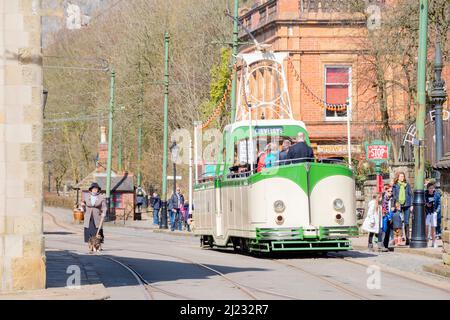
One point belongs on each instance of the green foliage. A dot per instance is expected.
(220, 74)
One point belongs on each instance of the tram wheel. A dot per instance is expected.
(211, 241)
(243, 245)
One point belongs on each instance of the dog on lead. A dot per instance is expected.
(95, 243)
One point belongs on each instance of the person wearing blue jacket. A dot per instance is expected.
(386, 229)
(403, 194)
(156, 205)
(433, 210)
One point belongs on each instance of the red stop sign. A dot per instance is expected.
(377, 152)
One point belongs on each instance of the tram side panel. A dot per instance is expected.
(204, 211)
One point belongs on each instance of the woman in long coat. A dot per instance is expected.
(401, 190)
(372, 222)
(95, 209)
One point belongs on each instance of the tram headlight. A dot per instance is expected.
(338, 204)
(279, 206)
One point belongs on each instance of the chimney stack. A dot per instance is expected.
(102, 151)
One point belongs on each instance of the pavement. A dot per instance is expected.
(61, 265)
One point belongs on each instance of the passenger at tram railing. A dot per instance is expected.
(282, 155)
(300, 152)
(268, 158)
(240, 170)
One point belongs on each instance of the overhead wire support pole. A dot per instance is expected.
(139, 177)
(234, 59)
(418, 239)
(163, 221)
(110, 137)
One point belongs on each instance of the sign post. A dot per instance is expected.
(377, 152)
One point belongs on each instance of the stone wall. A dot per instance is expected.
(445, 185)
(22, 254)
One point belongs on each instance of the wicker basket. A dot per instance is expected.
(78, 215)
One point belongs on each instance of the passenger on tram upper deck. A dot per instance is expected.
(272, 156)
(284, 151)
(300, 152)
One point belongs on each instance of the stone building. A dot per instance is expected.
(444, 167)
(22, 255)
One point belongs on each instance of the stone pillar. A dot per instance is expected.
(22, 254)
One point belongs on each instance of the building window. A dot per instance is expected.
(272, 12)
(337, 90)
(262, 15)
(117, 200)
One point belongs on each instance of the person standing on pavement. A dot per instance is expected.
(397, 223)
(432, 207)
(175, 202)
(94, 205)
(300, 152)
(140, 196)
(156, 205)
(402, 193)
(388, 204)
(372, 222)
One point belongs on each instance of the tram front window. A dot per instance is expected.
(263, 148)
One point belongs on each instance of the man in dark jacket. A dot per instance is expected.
(300, 152)
(175, 202)
(156, 205)
(284, 152)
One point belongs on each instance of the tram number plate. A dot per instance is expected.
(377, 152)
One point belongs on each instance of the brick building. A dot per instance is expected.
(326, 64)
(122, 184)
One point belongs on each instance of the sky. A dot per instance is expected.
(53, 24)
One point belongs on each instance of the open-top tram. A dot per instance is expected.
(296, 205)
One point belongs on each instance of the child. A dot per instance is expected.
(397, 223)
(385, 230)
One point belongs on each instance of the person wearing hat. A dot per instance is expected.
(95, 210)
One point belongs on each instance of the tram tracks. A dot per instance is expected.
(252, 291)
(247, 290)
(333, 283)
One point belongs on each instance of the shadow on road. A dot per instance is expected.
(112, 274)
(301, 255)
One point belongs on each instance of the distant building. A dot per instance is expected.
(122, 184)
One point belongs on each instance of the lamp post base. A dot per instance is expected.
(163, 218)
(418, 238)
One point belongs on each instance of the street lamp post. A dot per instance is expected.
(438, 97)
(418, 238)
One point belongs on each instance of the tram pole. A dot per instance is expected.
(110, 137)
(139, 177)
(163, 220)
(418, 239)
(234, 54)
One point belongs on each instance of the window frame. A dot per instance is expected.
(350, 90)
(114, 201)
